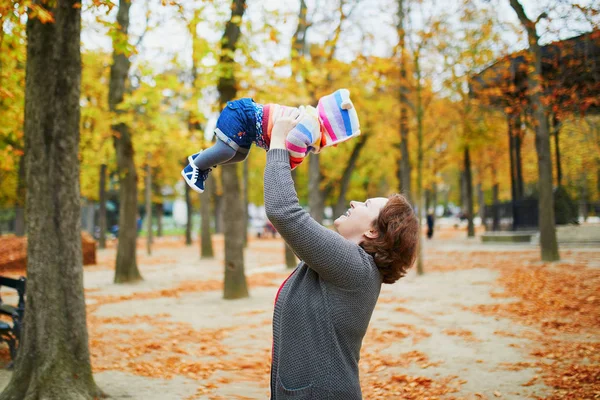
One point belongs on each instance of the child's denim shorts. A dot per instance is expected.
(236, 125)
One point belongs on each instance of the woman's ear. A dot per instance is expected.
(371, 234)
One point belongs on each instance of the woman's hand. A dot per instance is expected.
(283, 124)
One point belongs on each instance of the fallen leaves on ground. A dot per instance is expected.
(559, 303)
(559, 299)
(463, 333)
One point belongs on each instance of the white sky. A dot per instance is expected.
(370, 29)
(375, 18)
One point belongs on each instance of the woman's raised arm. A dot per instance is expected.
(334, 258)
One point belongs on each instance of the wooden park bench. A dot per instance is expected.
(11, 334)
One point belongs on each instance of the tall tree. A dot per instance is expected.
(317, 196)
(148, 200)
(189, 213)
(469, 191)
(245, 200)
(235, 285)
(102, 208)
(548, 242)
(199, 49)
(405, 167)
(53, 360)
(420, 111)
(299, 73)
(126, 265)
(206, 247)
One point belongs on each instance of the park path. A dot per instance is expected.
(484, 322)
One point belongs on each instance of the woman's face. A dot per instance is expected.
(356, 222)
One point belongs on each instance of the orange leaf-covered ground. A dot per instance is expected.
(484, 322)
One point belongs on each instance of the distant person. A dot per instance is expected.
(322, 310)
(430, 223)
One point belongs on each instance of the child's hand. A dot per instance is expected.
(283, 124)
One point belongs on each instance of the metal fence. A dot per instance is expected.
(522, 215)
(512, 216)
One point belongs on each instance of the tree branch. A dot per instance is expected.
(527, 23)
(146, 29)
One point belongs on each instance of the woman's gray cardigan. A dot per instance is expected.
(323, 309)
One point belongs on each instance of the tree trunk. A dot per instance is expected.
(159, 215)
(583, 209)
(316, 200)
(495, 202)
(299, 43)
(246, 202)
(21, 199)
(148, 196)
(206, 247)
(218, 211)
(513, 168)
(469, 193)
(189, 224)
(126, 268)
(290, 257)
(102, 209)
(514, 137)
(463, 190)
(341, 204)
(556, 126)
(511, 153)
(480, 202)
(420, 112)
(519, 162)
(548, 242)
(434, 197)
(53, 361)
(235, 285)
(405, 168)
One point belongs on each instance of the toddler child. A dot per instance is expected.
(243, 122)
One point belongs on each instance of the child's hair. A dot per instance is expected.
(395, 247)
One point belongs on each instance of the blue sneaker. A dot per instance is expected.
(190, 173)
(200, 178)
(194, 177)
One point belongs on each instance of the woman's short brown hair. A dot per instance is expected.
(395, 247)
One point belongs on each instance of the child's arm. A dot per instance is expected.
(301, 139)
(304, 137)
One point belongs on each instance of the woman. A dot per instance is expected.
(323, 308)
